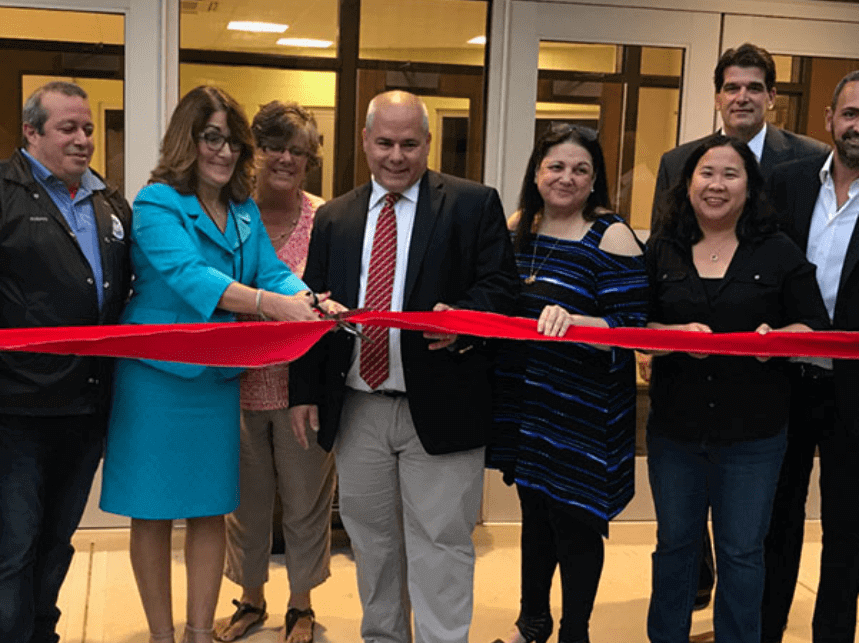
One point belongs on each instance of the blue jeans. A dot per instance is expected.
(738, 483)
(46, 470)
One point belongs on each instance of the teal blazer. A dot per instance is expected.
(183, 263)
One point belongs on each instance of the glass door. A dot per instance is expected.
(613, 67)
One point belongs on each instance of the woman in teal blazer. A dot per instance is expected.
(199, 253)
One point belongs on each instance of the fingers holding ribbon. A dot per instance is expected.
(554, 321)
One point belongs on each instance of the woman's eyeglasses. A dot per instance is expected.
(215, 141)
(277, 150)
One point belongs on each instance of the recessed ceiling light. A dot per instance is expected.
(305, 42)
(257, 27)
(477, 40)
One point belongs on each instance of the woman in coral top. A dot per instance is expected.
(288, 143)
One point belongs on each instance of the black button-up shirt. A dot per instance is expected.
(723, 399)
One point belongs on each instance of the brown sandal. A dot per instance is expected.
(293, 615)
(242, 610)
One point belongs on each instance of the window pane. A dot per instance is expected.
(656, 133)
(253, 87)
(661, 61)
(206, 25)
(438, 31)
(784, 69)
(568, 56)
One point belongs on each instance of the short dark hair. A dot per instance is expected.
(35, 114)
(679, 222)
(746, 55)
(276, 123)
(530, 200)
(852, 77)
(177, 165)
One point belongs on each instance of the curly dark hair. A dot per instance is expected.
(276, 123)
(530, 200)
(177, 165)
(680, 222)
(746, 55)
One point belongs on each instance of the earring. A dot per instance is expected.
(592, 188)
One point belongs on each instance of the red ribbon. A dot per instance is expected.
(249, 344)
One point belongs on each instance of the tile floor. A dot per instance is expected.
(100, 602)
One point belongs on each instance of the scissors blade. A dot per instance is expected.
(348, 327)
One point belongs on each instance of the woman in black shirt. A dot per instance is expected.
(716, 431)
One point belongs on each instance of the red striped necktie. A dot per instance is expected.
(380, 286)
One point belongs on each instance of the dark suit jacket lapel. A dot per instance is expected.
(851, 259)
(776, 150)
(348, 243)
(805, 189)
(430, 201)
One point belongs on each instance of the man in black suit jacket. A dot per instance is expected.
(410, 449)
(745, 89)
(816, 199)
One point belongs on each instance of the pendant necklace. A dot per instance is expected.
(715, 254)
(289, 229)
(532, 276)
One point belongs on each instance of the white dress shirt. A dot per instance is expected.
(405, 209)
(756, 145)
(828, 238)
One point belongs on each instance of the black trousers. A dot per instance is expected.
(814, 424)
(553, 537)
(46, 470)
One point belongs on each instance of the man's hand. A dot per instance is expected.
(302, 416)
(443, 340)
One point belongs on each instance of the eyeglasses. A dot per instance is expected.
(277, 150)
(215, 141)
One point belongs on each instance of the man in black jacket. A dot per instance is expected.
(407, 416)
(63, 262)
(745, 90)
(817, 199)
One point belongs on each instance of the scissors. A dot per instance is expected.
(337, 318)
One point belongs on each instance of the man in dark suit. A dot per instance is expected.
(409, 439)
(817, 199)
(745, 90)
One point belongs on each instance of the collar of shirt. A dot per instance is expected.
(756, 145)
(378, 193)
(827, 181)
(89, 181)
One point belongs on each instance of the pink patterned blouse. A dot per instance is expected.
(267, 389)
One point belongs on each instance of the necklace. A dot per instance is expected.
(716, 254)
(290, 226)
(532, 276)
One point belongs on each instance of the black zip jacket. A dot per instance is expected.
(45, 280)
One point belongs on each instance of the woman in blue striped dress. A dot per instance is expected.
(565, 412)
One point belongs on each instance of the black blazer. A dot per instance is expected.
(793, 188)
(460, 254)
(780, 146)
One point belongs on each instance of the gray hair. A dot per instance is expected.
(852, 77)
(35, 114)
(387, 98)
